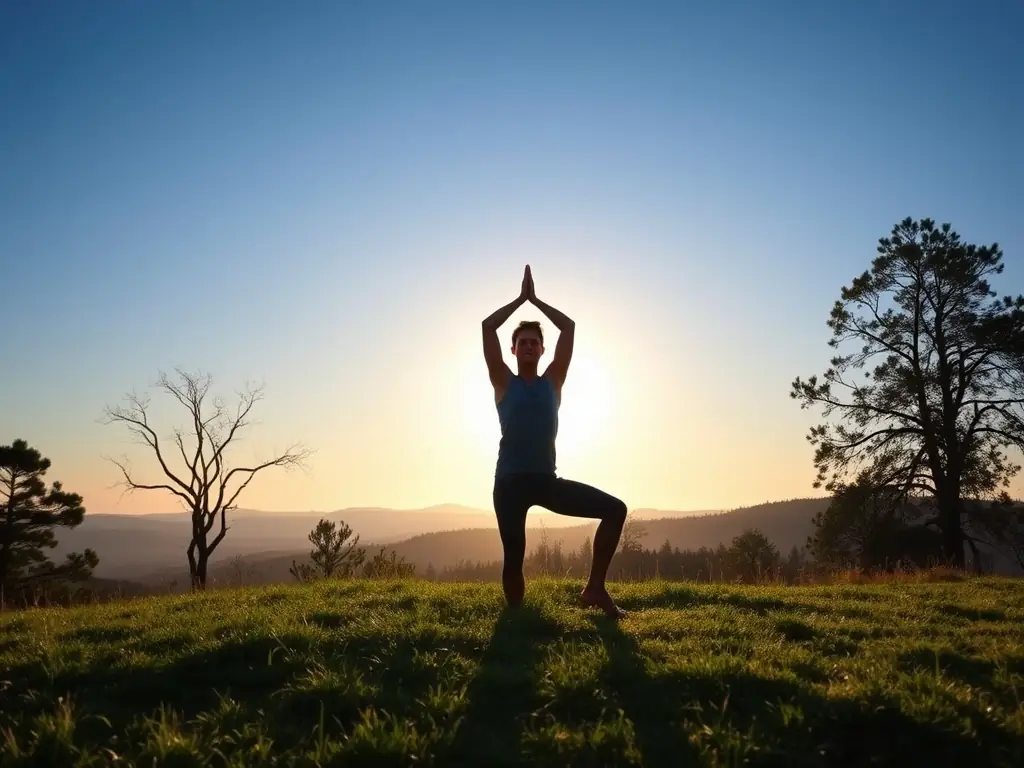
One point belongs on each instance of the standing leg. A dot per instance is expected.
(511, 503)
(568, 497)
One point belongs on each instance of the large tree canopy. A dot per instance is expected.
(30, 513)
(926, 392)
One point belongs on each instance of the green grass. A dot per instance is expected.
(418, 673)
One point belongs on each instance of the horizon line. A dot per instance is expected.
(469, 509)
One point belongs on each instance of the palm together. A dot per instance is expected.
(528, 293)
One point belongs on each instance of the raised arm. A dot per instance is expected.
(497, 370)
(559, 366)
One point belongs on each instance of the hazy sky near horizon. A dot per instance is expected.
(328, 198)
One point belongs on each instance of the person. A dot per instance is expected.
(527, 405)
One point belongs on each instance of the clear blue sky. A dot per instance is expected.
(329, 196)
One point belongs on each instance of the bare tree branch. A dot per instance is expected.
(132, 485)
(213, 488)
(137, 420)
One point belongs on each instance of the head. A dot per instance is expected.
(528, 343)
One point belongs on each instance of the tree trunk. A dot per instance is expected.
(204, 558)
(197, 569)
(950, 524)
(199, 551)
(198, 556)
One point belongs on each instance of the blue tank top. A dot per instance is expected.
(528, 413)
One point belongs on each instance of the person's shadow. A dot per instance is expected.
(503, 693)
(700, 711)
(650, 702)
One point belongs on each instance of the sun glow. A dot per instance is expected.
(585, 412)
(584, 416)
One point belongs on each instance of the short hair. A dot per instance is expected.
(527, 325)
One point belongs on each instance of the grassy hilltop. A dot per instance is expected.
(400, 673)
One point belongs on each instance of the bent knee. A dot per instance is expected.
(617, 512)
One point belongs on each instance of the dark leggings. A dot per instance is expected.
(514, 495)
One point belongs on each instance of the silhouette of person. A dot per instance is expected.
(527, 405)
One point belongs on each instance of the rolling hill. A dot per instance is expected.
(260, 546)
(151, 545)
(130, 545)
(787, 523)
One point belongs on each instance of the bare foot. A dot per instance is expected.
(599, 598)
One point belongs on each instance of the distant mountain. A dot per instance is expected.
(131, 544)
(786, 523)
(128, 545)
(260, 546)
(661, 514)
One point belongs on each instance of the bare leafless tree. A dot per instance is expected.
(205, 485)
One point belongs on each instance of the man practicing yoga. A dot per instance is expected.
(525, 474)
